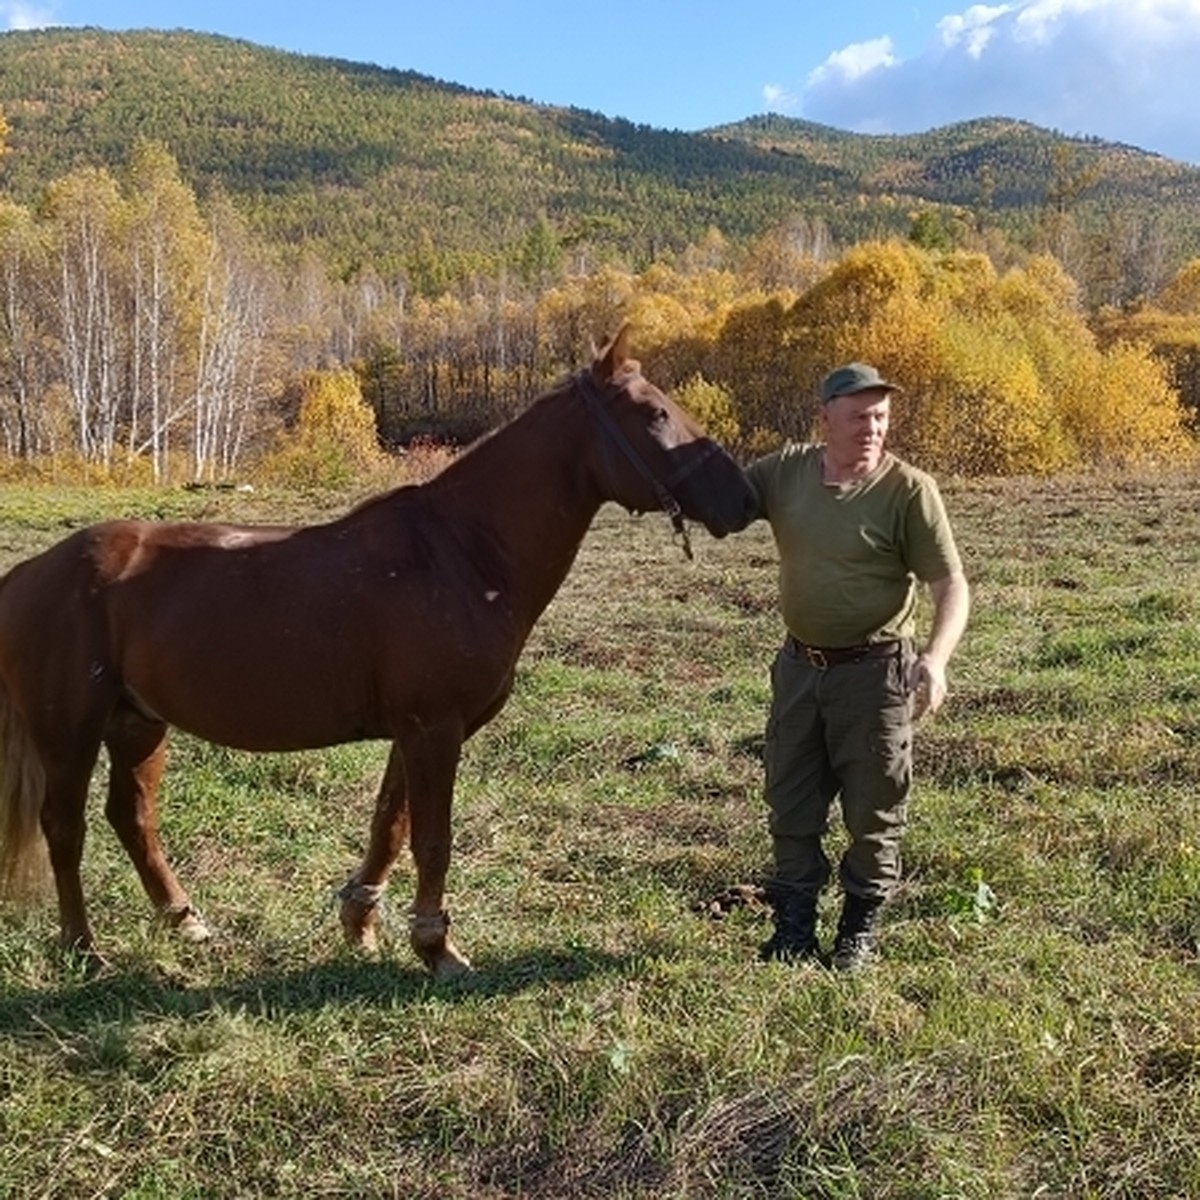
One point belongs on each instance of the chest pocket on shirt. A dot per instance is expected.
(881, 542)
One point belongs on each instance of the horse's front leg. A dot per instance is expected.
(416, 796)
(137, 750)
(432, 760)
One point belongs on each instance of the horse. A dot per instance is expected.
(402, 619)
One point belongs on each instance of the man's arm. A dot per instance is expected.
(951, 606)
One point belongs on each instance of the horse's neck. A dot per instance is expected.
(527, 485)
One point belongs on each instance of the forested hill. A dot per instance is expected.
(358, 162)
(991, 163)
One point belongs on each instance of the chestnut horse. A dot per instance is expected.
(403, 620)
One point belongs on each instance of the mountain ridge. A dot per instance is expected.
(359, 162)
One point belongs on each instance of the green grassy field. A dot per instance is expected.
(1033, 1028)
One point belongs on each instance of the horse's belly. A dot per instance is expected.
(251, 718)
(298, 701)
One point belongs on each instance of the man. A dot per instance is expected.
(857, 530)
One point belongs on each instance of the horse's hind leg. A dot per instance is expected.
(389, 832)
(64, 825)
(63, 728)
(137, 750)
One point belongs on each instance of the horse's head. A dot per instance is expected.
(649, 454)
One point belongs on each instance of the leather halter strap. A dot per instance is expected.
(662, 488)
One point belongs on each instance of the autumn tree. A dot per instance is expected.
(1168, 326)
(167, 245)
(86, 216)
(998, 370)
(133, 329)
(24, 373)
(333, 442)
(235, 354)
(711, 405)
(791, 256)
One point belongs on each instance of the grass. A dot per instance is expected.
(1032, 1030)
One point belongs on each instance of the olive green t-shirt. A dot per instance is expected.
(850, 555)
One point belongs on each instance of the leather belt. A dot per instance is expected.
(824, 657)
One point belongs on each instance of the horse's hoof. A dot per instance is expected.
(446, 961)
(86, 958)
(192, 929)
(360, 914)
(430, 940)
(452, 966)
(359, 928)
(188, 924)
(95, 965)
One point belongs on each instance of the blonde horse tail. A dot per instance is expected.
(23, 859)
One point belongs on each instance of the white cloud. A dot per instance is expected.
(1145, 20)
(1124, 70)
(19, 15)
(777, 99)
(854, 62)
(974, 28)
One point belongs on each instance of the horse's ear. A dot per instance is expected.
(615, 355)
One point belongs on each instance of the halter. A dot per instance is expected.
(662, 489)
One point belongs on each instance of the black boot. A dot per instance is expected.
(855, 942)
(795, 936)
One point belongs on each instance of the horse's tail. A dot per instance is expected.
(23, 861)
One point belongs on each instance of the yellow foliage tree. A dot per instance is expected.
(1001, 374)
(334, 442)
(985, 410)
(1042, 302)
(582, 310)
(1169, 327)
(1182, 293)
(657, 318)
(770, 387)
(710, 404)
(1121, 411)
(878, 304)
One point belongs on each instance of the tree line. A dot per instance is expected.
(146, 334)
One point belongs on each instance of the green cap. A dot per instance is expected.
(853, 377)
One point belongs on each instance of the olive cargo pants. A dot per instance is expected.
(842, 731)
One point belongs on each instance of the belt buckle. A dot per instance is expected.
(816, 658)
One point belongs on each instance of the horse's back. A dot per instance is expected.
(65, 613)
(268, 637)
(74, 581)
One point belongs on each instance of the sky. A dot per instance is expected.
(1122, 70)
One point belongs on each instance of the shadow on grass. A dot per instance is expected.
(119, 993)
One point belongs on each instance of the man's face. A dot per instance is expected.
(856, 427)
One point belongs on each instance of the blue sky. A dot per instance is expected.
(1127, 70)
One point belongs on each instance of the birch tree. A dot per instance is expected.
(167, 241)
(22, 375)
(84, 211)
(233, 348)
